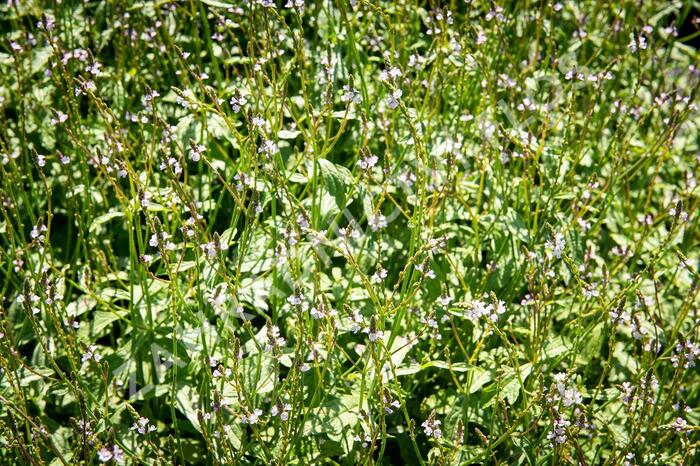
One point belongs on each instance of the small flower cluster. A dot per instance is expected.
(643, 392)
(30, 299)
(274, 340)
(559, 432)
(367, 161)
(143, 426)
(479, 309)
(685, 354)
(162, 240)
(218, 298)
(373, 332)
(377, 222)
(555, 246)
(114, 454)
(391, 76)
(281, 409)
(322, 311)
(568, 394)
(214, 247)
(364, 439)
(91, 353)
(389, 403)
(680, 425)
(357, 323)
(252, 417)
(350, 94)
(431, 426)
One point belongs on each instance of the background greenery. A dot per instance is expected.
(359, 232)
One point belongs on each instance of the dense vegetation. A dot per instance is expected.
(349, 232)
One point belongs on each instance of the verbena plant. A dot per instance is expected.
(362, 232)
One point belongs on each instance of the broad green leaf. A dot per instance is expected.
(337, 180)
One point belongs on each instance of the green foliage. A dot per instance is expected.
(362, 232)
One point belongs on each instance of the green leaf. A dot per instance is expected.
(511, 390)
(257, 373)
(187, 398)
(333, 418)
(288, 134)
(217, 4)
(456, 367)
(81, 305)
(97, 326)
(102, 219)
(337, 180)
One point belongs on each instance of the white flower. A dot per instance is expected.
(558, 434)
(680, 425)
(295, 299)
(60, 118)
(274, 340)
(572, 396)
(431, 426)
(173, 164)
(320, 311)
(212, 248)
(252, 418)
(143, 426)
(368, 162)
(104, 455)
(91, 354)
(364, 439)
(243, 181)
(145, 199)
(500, 307)
(237, 103)
(590, 291)
(379, 275)
(393, 99)
(389, 403)
(357, 321)
(218, 374)
(408, 177)
(556, 245)
(394, 73)
(268, 147)
(114, 454)
(49, 25)
(685, 354)
(374, 335)
(196, 152)
(282, 410)
(478, 309)
(377, 222)
(258, 122)
(350, 95)
(153, 241)
(7, 157)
